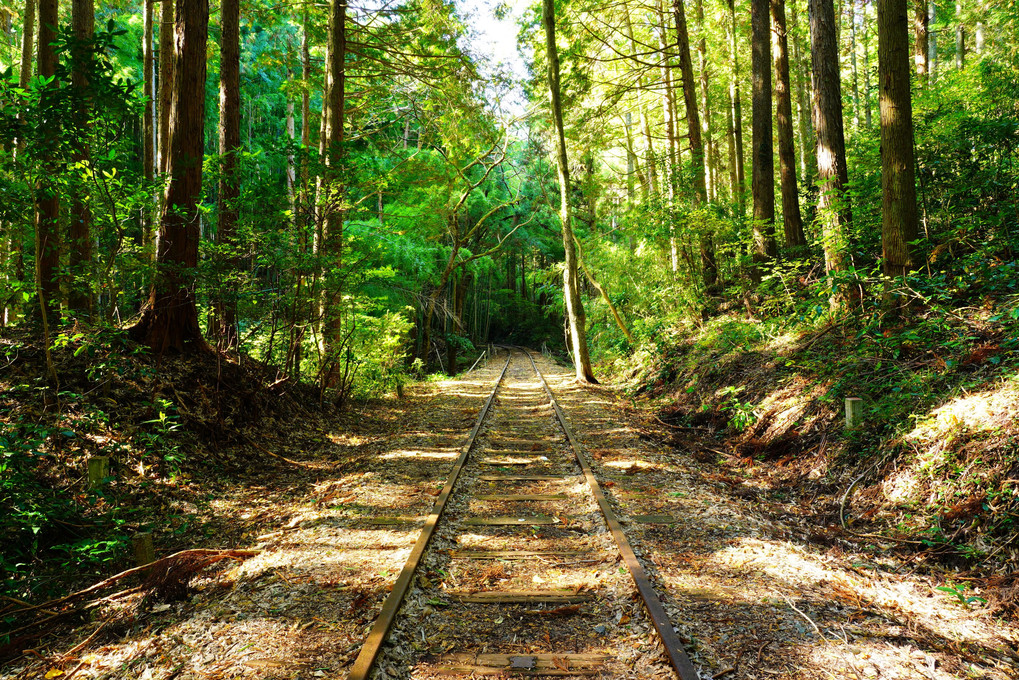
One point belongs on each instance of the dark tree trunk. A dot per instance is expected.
(47, 201)
(171, 319)
(166, 59)
(571, 282)
(80, 298)
(899, 221)
(833, 206)
(148, 123)
(791, 219)
(763, 180)
(224, 323)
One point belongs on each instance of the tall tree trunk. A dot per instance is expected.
(833, 207)
(932, 42)
(27, 49)
(709, 145)
(571, 281)
(148, 125)
(171, 319)
(899, 220)
(709, 268)
(730, 136)
(333, 188)
(224, 328)
(166, 79)
(960, 37)
(804, 127)
(737, 107)
(80, 298)
(853, 64)
(17, 253)
(47, 201)
(763, 181)
(921, 40)
(670, 165)
(791, 219)
(865, 27)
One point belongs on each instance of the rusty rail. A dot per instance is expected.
(377, 636)
(659, 617)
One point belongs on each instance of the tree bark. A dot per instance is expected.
(921, 37)
(763, 180)
(833, 207)
(864, 25)
(932, 42)
(334, 114)
(791, 218)
(899, 220)
(224, 328)
(853, 64)
(737, 109)
(81, 299)
(571, 282)
(804, 128)
(166, 59)
(148, 125)
(698, 161)
(670, 164)
(171, 320)
(47, 201)
(710, 172)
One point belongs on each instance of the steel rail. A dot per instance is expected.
(377, 636)
(659, 617)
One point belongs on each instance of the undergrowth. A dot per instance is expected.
(936, 460)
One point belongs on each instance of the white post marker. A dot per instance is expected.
(854, 412)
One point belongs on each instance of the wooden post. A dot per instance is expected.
(144, 551)
(98, 470)
(854, 412)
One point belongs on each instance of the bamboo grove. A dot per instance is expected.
(338, 189)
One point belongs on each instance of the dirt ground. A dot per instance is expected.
(756, 587)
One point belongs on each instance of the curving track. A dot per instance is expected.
(522, 568)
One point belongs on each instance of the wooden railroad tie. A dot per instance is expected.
(522, 497)
(523, 478)
(521, 664)
(521, 520)
(522, 597)
(514, 554)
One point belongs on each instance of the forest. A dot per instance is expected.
(217, 220)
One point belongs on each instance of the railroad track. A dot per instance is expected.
(522, 568)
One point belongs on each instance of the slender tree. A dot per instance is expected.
(166, 59)
(763, 180)
(224, 324)
(804, 128)
(148, 122)
(833, 207)
(47, 197)
(920, 40)
(709, 268)
(80, 298)
(865, 31)
(737, 106)
(960, 37)
(170, 321)
(899, 220)
(791, 218)
(571, 279)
